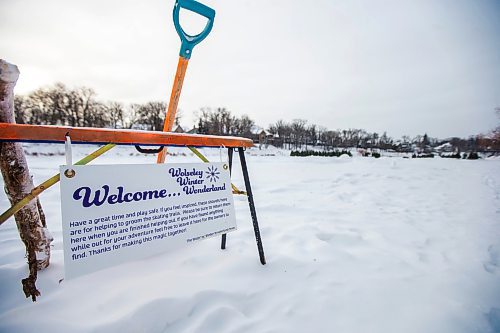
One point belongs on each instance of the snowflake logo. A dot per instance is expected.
(212, 174)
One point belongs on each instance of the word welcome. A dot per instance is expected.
(98, 197)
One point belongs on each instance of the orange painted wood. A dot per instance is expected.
(57, 134)
(174, 101)
(175, 94)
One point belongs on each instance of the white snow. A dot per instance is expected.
(352, 245)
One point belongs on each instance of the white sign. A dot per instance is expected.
(115, 213)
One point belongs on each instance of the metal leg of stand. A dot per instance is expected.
(252, 206)
(230, 158)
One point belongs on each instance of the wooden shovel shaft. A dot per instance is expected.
(174, 102)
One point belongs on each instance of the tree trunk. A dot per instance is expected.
(30, 219)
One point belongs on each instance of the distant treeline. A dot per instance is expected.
(298, 135)
(221, 121)
(60, 105)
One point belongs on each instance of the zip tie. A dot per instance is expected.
(220, 154)
(70, 173)
(67, 149)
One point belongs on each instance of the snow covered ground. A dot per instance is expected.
(352, 245)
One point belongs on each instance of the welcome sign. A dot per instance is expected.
(115, 213)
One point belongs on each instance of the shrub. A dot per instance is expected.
(423, 155)
(335, 153)
(473, 156)
(455, 155)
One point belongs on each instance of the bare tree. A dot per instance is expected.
(116, 113)
(222, 122)
(244, 126)
(20, 109)
(30, 220)
(178, 116)
(281, 129)
(298, 127)
(150, 115)
(58, 105)
(131, 116)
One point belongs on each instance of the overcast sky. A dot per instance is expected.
(407, 67)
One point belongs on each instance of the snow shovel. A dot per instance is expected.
(188, 42)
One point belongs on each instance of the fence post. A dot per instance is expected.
(30, 220)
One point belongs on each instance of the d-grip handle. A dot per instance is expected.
(188, 41)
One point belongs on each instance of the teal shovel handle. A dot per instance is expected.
(188, 41)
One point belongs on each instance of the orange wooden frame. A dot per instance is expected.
(57, 134)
